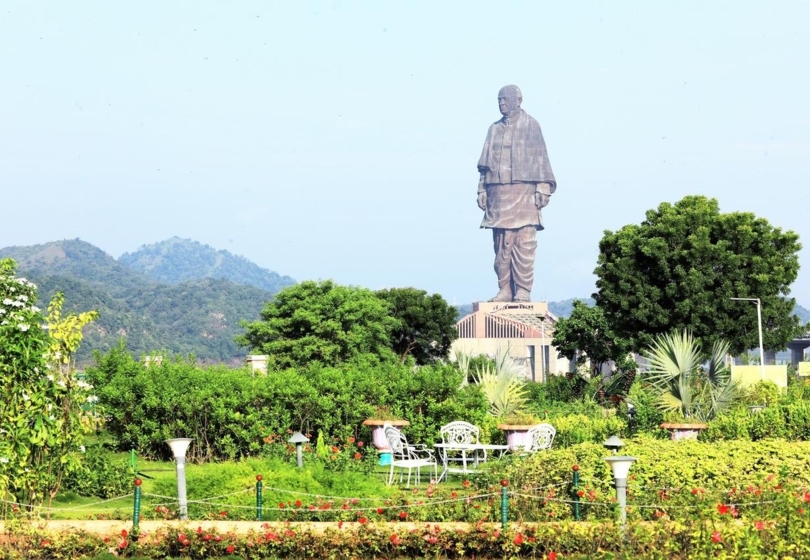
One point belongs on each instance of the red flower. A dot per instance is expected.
(358, 456)
(717, 537)
(335, 449)
(518, 539)
(395, 540)
(552, 555)
(218, 539)
(207, 537)
(362, 520)
(229, 549)
(360, 444)
(759, 525)
(722, 508)
(281, 505)
(581, 493)
(807, 496)
(351, 439)
(466, 484)
(298, 503)
(403, 515)
(181, 537)
(123, 533)
(199, 530)
(186, 542)
(340, 524)
(380, 511)
(122, 545)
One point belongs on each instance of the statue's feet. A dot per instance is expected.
(522, 295)
(503, 295)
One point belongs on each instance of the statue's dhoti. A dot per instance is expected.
(514, 218)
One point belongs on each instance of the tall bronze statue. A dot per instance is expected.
(516, 184)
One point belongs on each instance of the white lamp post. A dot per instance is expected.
(179, 447)
(620, 465)
(759, 325)
(299, 440)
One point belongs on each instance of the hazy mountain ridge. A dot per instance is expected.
(197, 316)
(178, 260)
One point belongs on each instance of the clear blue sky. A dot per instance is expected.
(339, 139)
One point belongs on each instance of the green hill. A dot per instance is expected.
(198, 316)
(178, 260)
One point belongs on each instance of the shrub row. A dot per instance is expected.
(231, 413)
(776, 538)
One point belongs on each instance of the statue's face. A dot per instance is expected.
(508, 100)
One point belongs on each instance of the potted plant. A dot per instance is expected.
(517, 426)
(691, 394)
(381, 416)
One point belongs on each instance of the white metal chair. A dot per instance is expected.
(461, 433)
(405, 456)
(542, 436)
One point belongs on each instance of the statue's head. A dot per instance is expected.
(509, 99)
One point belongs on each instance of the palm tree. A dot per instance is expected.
(683, 385)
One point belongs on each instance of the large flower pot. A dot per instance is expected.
(683, 430)
(378, 434)
(517, 436)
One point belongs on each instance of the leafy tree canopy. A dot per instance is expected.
(427, 324)
(323, 322)
(679, 268)
(587, 334)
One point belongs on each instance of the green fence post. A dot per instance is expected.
(575, 468)
(504, 503)
(136, 510)
(258, 497)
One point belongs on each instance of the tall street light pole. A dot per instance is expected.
(759, 324)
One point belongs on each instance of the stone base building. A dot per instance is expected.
(522, 330)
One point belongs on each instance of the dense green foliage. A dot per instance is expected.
(231, 413)
(679, 268)
(588, 335)
(178, 260)
(322, 322)
(199, 317)
(427, 324)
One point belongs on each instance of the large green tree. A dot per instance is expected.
(679, 268)
(321, 322)
(427, 324)
(588, 335)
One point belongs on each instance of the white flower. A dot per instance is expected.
(26, 397)
(3, 459)
(7, 302)
(35, 309)
(82, 448)
(2, 310)
(23, 327)
(50, 377)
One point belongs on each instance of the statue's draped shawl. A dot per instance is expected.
(529, 157)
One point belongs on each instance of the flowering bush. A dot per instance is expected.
(42, 415)
(766, 538)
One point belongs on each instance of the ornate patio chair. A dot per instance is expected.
(542, 436)
(405, 456)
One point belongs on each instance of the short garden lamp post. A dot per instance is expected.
(179, 447)
(299, 440)
(620, 465)
(614, 444)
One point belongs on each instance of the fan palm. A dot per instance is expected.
(682, 384)
(502, 385)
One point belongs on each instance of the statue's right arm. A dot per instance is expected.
(482, 193)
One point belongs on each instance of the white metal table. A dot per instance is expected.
(468, 455)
